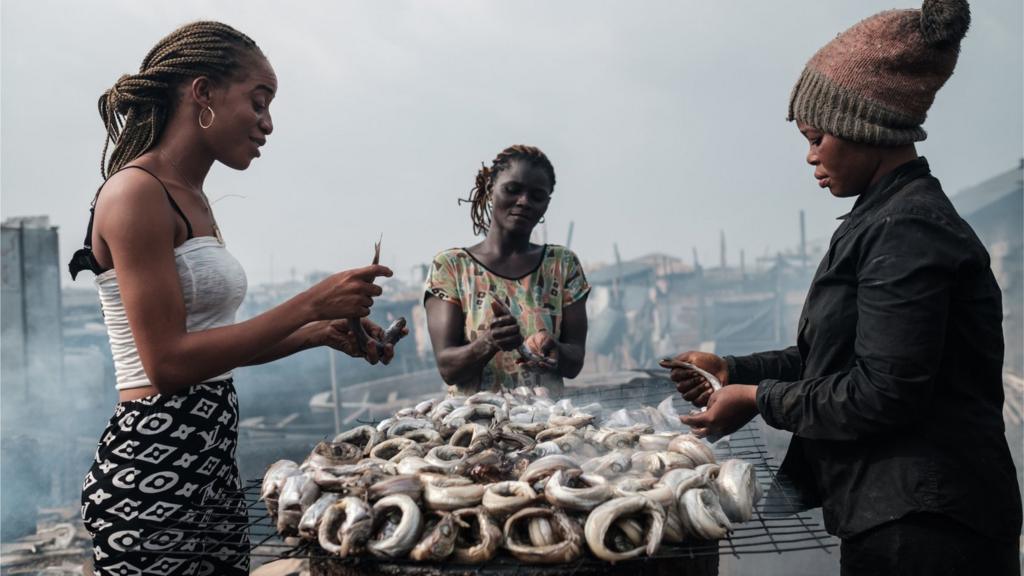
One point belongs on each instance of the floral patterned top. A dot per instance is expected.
(536, 300)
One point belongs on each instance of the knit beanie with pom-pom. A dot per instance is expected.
(875, 82)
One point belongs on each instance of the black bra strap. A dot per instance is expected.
(84, 260)
(188, 225)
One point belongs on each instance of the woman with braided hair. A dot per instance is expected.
(161, 496)
(507, 312)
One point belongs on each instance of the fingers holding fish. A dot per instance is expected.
(503, 330)
(689, 369)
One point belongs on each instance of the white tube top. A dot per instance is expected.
(213, 284)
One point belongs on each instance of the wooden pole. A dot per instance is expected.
(335, 394)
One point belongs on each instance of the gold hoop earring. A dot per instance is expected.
(212, 116)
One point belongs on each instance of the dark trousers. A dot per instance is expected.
(927, 544)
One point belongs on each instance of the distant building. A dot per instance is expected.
(995, 209)
(31, 364)
(31, 369)
(655, 306)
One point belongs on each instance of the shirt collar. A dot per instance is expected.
(881, 190)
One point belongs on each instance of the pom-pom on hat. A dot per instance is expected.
(875, 82)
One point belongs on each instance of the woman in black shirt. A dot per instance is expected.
(894, 389)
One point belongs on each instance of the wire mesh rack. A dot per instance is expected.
(778, 524)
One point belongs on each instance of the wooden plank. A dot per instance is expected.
(287, 420)
(352, 417)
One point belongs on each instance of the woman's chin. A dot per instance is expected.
(237, 163)
(521, 226)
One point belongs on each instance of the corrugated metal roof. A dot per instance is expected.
(992, 190)
(608, 274)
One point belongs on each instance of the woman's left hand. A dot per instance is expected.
(337, 335)
(542, 344)
(728, 410)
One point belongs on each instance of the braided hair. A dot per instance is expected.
(135, 110)
(480, 195)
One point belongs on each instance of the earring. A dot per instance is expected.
(212, 116)
(541, 221)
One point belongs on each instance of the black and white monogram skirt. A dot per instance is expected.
(163, 494)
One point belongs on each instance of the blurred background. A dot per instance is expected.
(680, 186)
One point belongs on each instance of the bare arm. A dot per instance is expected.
(139, 231)
(460, 363)
(572, 343)
(297, 341)
(332, 333)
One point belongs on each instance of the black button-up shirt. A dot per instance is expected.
(894, 390)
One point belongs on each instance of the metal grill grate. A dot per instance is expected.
(777, 525)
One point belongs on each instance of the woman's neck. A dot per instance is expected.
(189, 159)
(891, 159)
(503, 244)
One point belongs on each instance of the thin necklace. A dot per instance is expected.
(213, 219)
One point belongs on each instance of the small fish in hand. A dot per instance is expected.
(392, 334)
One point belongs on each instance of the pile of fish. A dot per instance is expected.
(464, 478)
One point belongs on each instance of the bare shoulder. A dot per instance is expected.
(133, 202)
(133, 191)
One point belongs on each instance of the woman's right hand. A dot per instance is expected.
(692, 385)
(347, 294)
(338, 335)
(503, 331)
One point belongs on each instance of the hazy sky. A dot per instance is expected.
(665, 121)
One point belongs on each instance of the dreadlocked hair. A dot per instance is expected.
(135, 110)
(480, 195)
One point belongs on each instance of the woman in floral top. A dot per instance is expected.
(484, 303)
